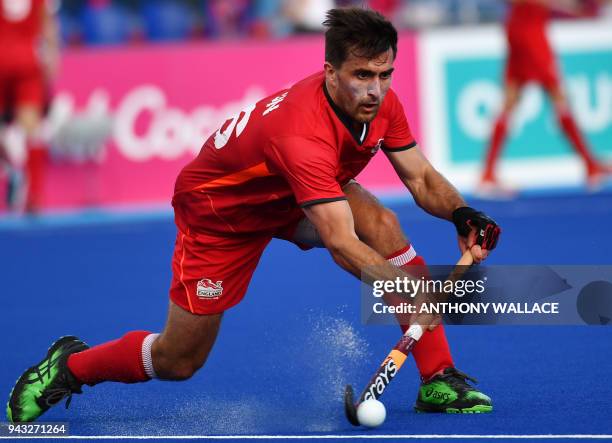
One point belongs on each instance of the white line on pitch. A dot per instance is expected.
(325, 437)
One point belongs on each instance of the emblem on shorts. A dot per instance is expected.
(206, 288)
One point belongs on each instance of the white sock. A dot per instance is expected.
(405, 257)
(147, 360)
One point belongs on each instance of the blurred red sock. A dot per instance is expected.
(495, 146)
(431, 353)
(36, 166)
(575, 137)
(118, 360)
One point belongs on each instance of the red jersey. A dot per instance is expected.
(530, 56)
(290, 150)
(528, 17)
(20, 28)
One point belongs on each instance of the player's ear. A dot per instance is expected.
(330, 73)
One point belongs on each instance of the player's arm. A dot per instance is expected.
(50, 40)
(548, 3)
(433, 193)
(569, 7)
(310, 164)
(430, 189)
(334, 222)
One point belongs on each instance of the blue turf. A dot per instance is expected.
(285, 353)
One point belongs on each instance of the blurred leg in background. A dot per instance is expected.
(30, 41)
(489, 181)
(595, 171)
(531, 59)
(29, 118)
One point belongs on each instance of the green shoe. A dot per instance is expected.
(450, 392)
(45, 384)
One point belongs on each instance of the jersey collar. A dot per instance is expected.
(359, 135)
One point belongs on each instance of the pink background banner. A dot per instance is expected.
(165, 100)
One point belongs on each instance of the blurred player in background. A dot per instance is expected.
(531, 59)
(29, 38)
(285, 168)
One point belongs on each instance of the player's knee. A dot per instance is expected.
(384, 233)
(184, 369)
(29, 120)
(509, 106)
(387, 222)
(380, 221)
(170, 365)
(177, 369)
(382, 227)
(562, 111)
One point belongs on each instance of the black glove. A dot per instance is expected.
(486, 229)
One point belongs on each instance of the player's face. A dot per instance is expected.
(359, 86)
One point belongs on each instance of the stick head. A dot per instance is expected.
(349, 406)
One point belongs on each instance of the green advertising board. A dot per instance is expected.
(474, 90)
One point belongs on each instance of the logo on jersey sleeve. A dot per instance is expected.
(206, 288)
(378, 146)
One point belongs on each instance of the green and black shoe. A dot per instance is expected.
(45, 384)
(450, 392)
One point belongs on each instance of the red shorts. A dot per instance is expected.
(531, 60)
(211, 273)
(23, 85)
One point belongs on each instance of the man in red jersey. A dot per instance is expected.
(285, 167)
(29, 39)
(531, 59)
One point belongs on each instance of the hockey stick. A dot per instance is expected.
(396, 358)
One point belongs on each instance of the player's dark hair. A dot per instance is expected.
(361, 32)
